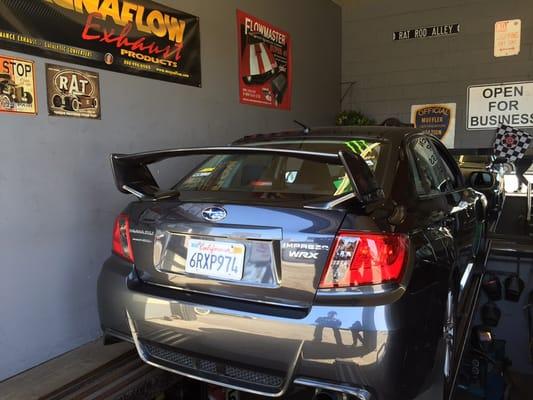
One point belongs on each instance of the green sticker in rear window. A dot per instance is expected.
(357, 146)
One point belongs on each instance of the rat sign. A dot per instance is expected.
(72, 92)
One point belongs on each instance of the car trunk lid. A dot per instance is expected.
(249, 223)
(277, 253)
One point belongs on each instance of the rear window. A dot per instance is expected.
(282, 175)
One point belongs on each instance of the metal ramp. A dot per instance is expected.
(124, 378)
(529, 213)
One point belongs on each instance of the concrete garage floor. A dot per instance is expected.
(94, 371)
(51, 375)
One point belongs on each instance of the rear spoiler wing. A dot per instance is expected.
(132, 174)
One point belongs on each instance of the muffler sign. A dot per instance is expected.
(138, 37)
(490, 106)
(72, 92)
(17, 86)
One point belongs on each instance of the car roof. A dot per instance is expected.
(378, 133)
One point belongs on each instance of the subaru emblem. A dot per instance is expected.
(214, 214)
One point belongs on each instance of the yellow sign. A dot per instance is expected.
(17, 86)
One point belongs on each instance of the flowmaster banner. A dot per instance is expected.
(72, 92)
(17, 86)
(265, 63)
(138, 37)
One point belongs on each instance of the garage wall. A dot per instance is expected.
(57, 198)
(393, 75)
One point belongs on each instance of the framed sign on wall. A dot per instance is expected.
(17, 86)
(72, 92)
(507, 38)
(265, 63)
(437, 119)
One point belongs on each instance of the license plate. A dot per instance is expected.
(215, 259)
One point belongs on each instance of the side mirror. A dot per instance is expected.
(481, 180)
(500, 160)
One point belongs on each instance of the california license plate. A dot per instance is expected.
(222, 260)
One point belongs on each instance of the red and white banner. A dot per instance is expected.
(265, 63)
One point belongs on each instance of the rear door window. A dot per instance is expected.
(450, 165)
(279, 174)
(430, 172)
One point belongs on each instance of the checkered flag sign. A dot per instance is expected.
(511, 143)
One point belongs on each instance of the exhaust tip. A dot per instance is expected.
(328, 395)
(330, 391)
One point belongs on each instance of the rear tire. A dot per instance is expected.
(28, 98)
(57, 101)
(5, 102)
(443, 371)
(449, 364)
(75, 105)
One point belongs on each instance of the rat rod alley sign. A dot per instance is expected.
(72, 92)
(427, 32)
(17, 86)
(138, 37)
(265, 63)
(437, 119)
(490, 106)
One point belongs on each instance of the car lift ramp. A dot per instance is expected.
(529, 217)
(123, 378)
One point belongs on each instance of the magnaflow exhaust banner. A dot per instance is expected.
(138, 37)
(265, 63)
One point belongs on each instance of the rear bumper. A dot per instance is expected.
(367, 350)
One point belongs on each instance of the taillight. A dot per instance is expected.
(122, 238)
(365, 259)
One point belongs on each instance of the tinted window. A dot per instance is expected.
(281, 174)
(481, 180)
(431, 174)
(451, 168)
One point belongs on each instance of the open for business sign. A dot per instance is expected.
(489, 106)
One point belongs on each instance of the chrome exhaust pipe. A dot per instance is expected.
(328, 395)
(331, 391)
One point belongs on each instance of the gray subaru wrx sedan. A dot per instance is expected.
(344, 259)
